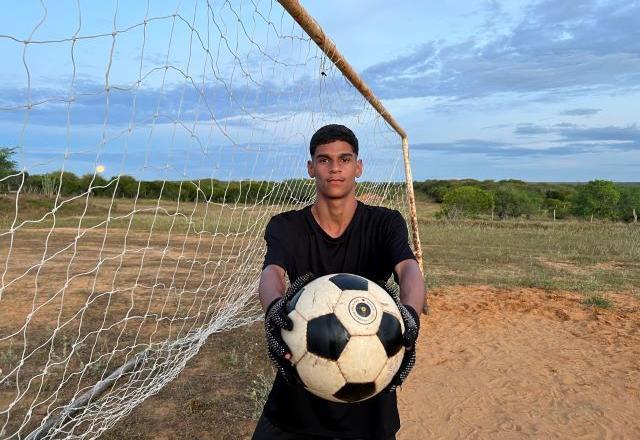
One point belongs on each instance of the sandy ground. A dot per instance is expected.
(510, 364)
(492, 364)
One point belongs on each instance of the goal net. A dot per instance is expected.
(144, 147)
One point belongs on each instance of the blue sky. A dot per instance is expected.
(539, 91)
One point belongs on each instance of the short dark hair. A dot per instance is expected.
(331, 133)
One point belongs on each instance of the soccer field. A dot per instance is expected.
(82, 295)
(106, 291)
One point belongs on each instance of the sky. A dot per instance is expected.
(540, 91)
(531, 90)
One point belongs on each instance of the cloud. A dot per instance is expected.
(496, 149)
(530, 129)
(630, 133)
(580, 112)
(558, 47)
(571, 140)
(573, 132)
(87, 103)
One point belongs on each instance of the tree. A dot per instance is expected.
(598, 198)
(466, 201)
(557, 207)
(629, 203)
(511, 202)
(7, 168)
(7, 164)
(96, 183)
(127, 187)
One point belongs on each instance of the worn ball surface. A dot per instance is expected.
(346, 341)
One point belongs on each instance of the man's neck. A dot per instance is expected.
(334, 215)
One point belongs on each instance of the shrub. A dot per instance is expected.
(629, 200)
(466, 201)
(511, 202)
(598, 198)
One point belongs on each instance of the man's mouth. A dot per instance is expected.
(335, 180)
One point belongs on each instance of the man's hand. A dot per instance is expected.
(411, 329)
(276, 319)
(411, 321)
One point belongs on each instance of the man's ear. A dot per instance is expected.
(359, 168)
(310, 169)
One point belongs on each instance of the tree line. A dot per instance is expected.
(68, 184)
(467, 198)
(597, 199)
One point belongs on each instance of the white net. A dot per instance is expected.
(144, 149)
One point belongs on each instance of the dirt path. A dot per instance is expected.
(509, 364)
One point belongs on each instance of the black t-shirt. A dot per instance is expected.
(373, 243)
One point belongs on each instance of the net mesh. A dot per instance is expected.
(147, 147)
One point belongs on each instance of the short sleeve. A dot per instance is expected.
(276, 250)
(398, 248)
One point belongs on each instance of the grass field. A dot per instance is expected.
(224, 386)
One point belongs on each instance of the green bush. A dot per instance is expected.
(511, 202)
(466, 201)
(596, 199)
(629, 200)
(562, 208)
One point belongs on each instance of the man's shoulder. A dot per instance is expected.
(288, 218)
(380, 211)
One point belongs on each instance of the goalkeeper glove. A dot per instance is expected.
(276, 319)
(411, 322)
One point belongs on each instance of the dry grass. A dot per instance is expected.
(569, 255)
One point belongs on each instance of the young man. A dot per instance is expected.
(336, 234)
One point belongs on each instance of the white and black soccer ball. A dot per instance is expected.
(346, 341)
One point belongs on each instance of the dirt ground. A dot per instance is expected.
(492, 364)
(509, 364)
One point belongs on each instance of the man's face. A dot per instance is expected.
(335, 167)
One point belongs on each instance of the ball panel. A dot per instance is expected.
(387, 303)
(291, 305)
(321, 376)
(347, 281)
(326, 336)
(319, 298)
(381, 295)
(389, 370)
(353, 392)
(296, 339)
(390, 334)
(362, 359)
(358, 313)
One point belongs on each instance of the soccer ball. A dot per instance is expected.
(346, 341)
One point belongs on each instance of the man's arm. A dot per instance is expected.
(272, 285)
(411, 284)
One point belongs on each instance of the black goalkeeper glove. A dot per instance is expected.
(411, 322)
(276, 319)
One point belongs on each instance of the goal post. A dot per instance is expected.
(143, 149)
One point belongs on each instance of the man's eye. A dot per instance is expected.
(346, 159)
